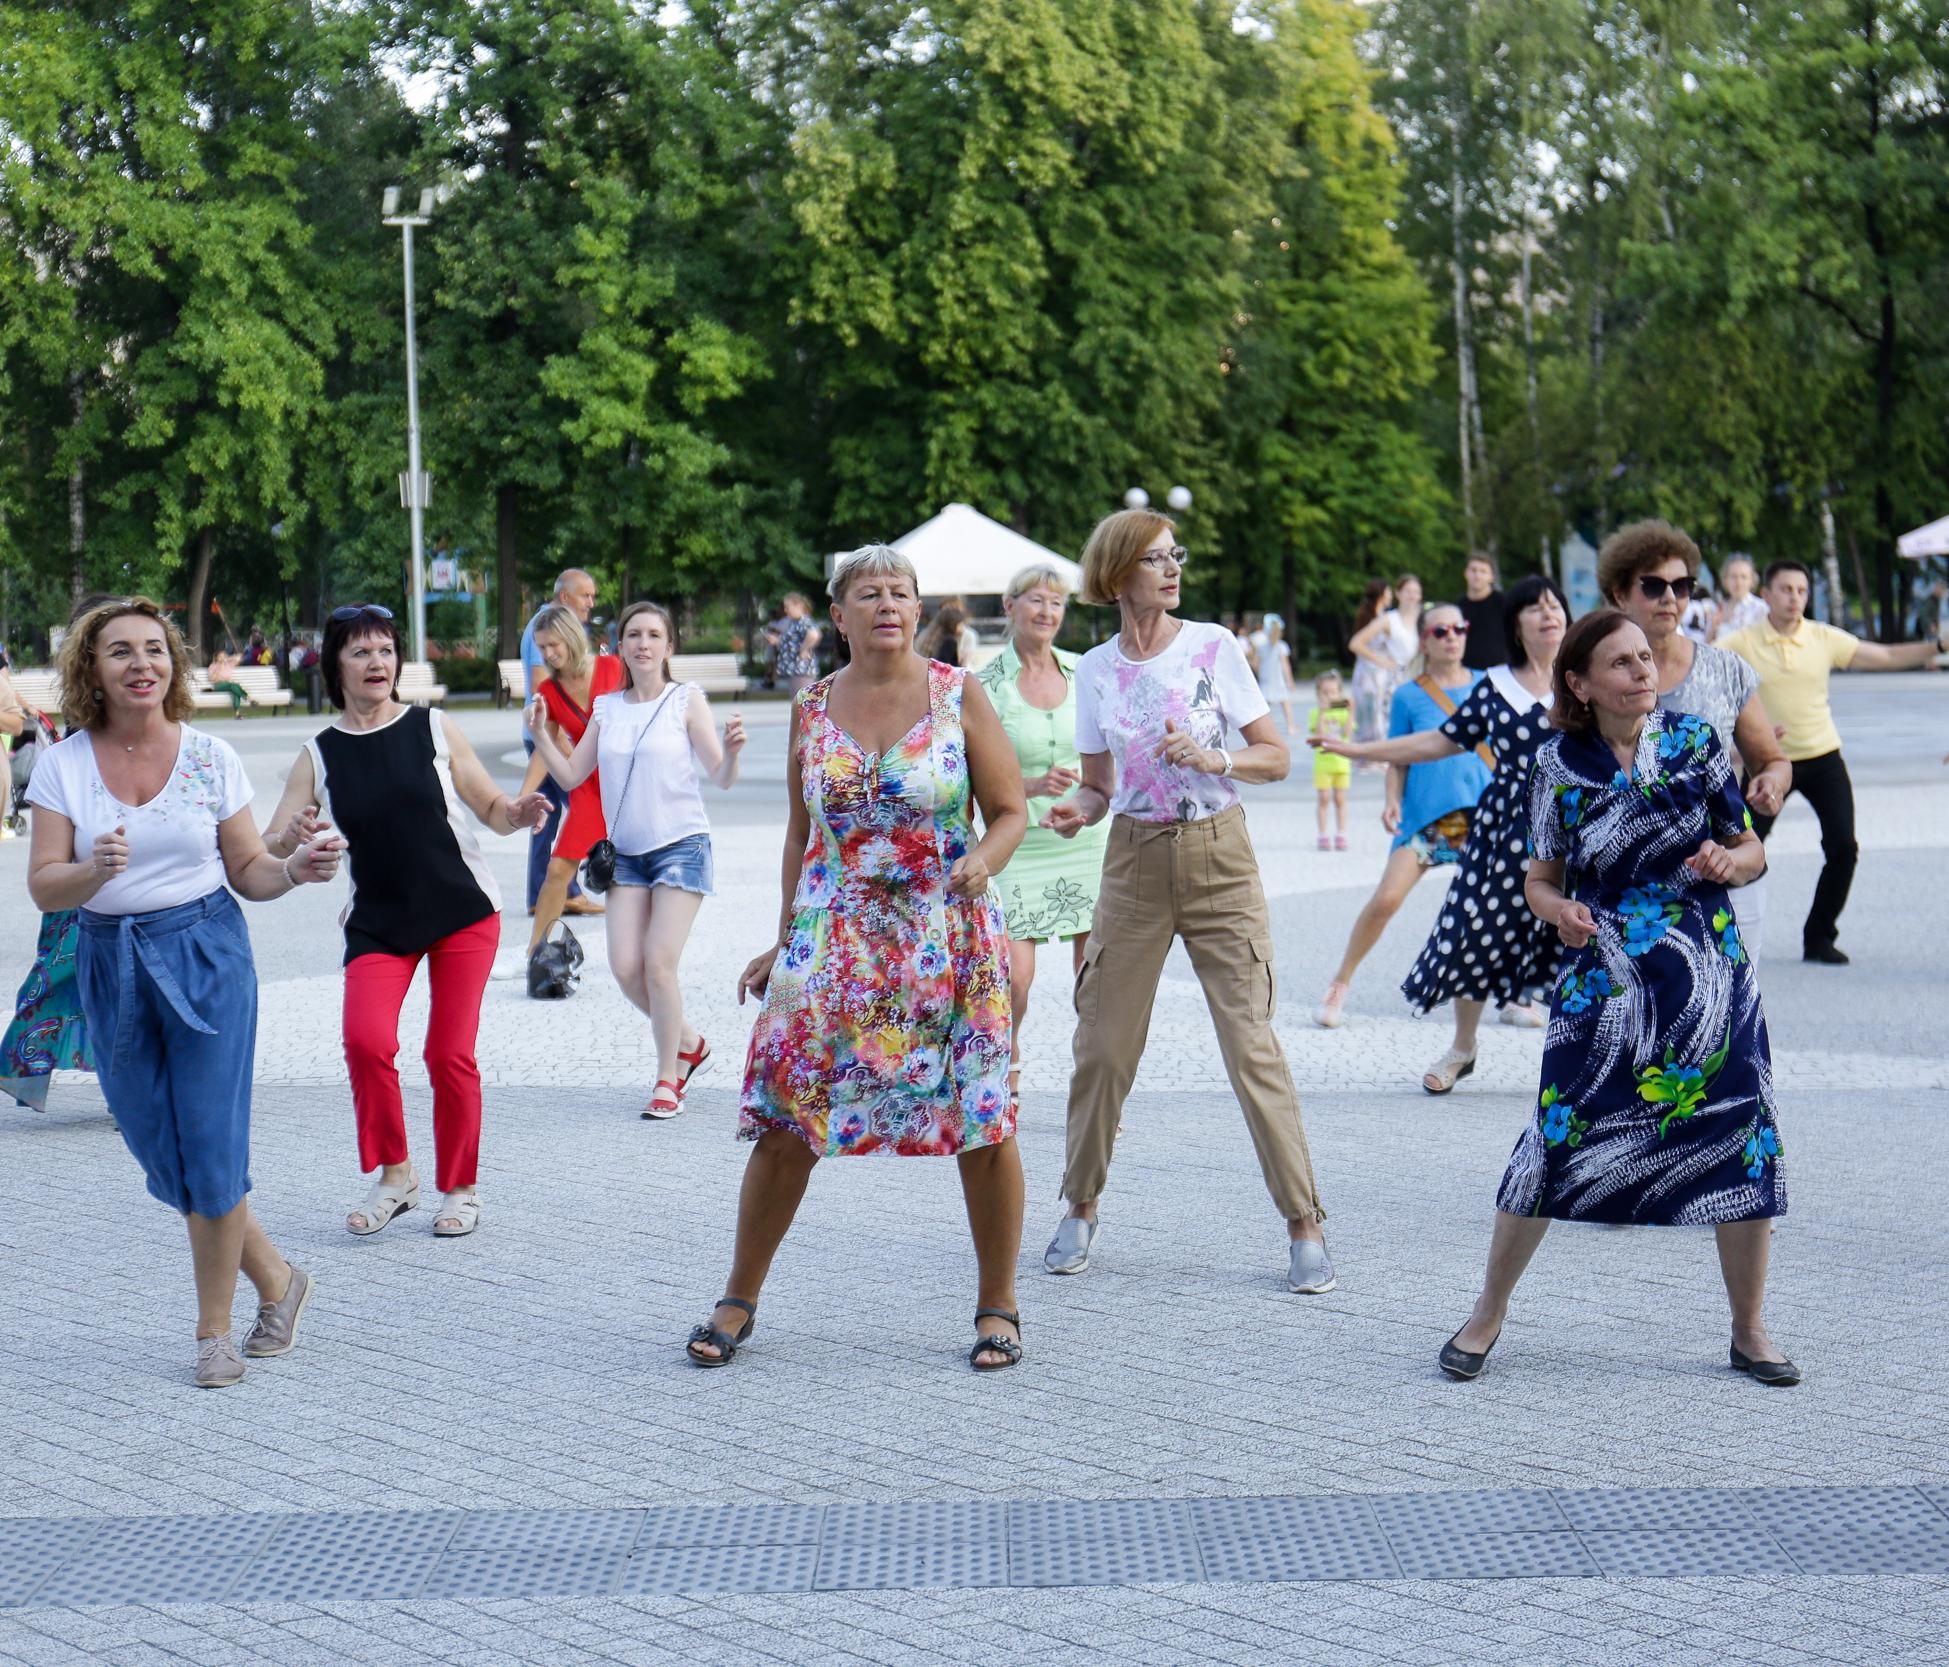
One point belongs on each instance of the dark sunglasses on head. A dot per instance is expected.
(1439, 631)
(1655, 588)
(357, 609)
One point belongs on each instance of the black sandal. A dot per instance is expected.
(726, 1345)
(996, 1343)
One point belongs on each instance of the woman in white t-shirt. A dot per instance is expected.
(655, 742)
(1153, 708)
(139, 821)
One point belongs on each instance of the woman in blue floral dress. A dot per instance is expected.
(1655, 1104)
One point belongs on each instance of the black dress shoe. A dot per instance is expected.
(1829, 955)
(1779, 1374)
(1459, 1363)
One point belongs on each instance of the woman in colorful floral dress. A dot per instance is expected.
(1655, 1105)
(1049, 892)
(885, 1028)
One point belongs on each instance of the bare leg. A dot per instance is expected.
(672, 914)
(629, 922)
(1324, 796)
(1397, 880)
(1511, 1245)
(1744, 1247)
(991, 1186)
(1468, 1021)
(263, 1264)
(1340, 810)
(216, 1247)
(775, 1177)
(1021, 975)
(549, 900)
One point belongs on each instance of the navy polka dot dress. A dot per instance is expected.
(1487, 945)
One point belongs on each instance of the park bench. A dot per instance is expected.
(260, 686)
(39, 688)
(416, 686)
(514, 683)
(715, 674)
(206, 698)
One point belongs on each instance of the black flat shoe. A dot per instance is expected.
(726, 1345)
(996, 1342)
(1459, 1363)
(1779, 1374)
(1829, 955)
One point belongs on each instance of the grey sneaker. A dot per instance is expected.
(1311, 1269)
(277, 1322)
(218, 1364)
(1069, 1250)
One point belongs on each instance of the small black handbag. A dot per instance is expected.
(556, 965)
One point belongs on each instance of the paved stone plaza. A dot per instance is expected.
(492, 1449)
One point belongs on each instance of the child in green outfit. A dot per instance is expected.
(1332, 716)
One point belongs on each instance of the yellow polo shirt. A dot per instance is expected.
(1793, 679)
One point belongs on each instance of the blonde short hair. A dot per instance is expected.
(1114, 550)
(562, 624)
(82, 703)
(869, 561)
(1039, 575)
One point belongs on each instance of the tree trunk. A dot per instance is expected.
(1830, 559)
(1464, 345)
(1288, 591)
(507, 579)
(1529, 376)
(77, 507)
(196, 606)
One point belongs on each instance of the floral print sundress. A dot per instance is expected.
(1655, 1105)
(885, 1027)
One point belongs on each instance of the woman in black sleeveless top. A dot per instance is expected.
(393, 779)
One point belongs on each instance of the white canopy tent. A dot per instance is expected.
(961, 552)
(1932, 540)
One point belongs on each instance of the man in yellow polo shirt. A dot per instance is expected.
(1795, 656)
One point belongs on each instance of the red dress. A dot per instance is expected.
(582, 823)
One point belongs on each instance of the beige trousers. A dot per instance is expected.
(1198, 881)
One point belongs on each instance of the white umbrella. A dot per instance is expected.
(1932, 540)
(962, 552)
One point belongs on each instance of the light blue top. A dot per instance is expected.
(1434, 790)
(532, 664)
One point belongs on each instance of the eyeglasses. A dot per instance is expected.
(1156, 560)
(356, 609)
(1655, 589)
(1438, 632)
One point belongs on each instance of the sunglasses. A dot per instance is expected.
(1438, 632)
(1655, 589)
(357, 610)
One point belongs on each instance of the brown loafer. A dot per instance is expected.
(277, 1322)
(583, 906)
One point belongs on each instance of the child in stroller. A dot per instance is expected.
(35, 737)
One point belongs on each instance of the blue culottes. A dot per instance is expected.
(171, 1004)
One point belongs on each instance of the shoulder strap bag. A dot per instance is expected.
(1441, 697)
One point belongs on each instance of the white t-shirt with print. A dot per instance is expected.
(1203, 681)
(173, 855)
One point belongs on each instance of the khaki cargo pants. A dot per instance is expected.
(1198, 881)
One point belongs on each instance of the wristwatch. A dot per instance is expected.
(1229, 761)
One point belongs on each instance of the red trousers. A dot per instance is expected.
(375, 989)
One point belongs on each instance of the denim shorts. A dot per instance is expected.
(684, 864)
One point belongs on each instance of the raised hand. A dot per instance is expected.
(528, 811)
(1712, 861)
(1057, 780)
(734, 736)
(1065, 819)
(316, 862)
(968, 877)
(535, 716)
(111, 853)
(1182, 750)
(305, 826)
(1575, 925)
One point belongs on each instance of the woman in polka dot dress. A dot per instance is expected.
(1486, 942)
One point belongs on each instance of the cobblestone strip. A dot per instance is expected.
(924, 1545)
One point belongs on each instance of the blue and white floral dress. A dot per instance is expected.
(1655, 1103)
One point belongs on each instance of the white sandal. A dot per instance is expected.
(463, 1207)
(382, 1203)
(1447, 1071)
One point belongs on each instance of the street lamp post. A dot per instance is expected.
(413, 485)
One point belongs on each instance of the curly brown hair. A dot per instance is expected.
(82, 702)
(1638, 548)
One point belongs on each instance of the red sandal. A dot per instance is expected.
(664, 1106)
(693, 1063)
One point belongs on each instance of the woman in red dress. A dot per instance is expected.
(577, 674)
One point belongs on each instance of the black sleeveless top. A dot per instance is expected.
(417, 872)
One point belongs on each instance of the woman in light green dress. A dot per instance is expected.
(1048, 890)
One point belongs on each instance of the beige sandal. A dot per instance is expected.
(463, 1207)
(1442, 1076)
(381, 1204)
